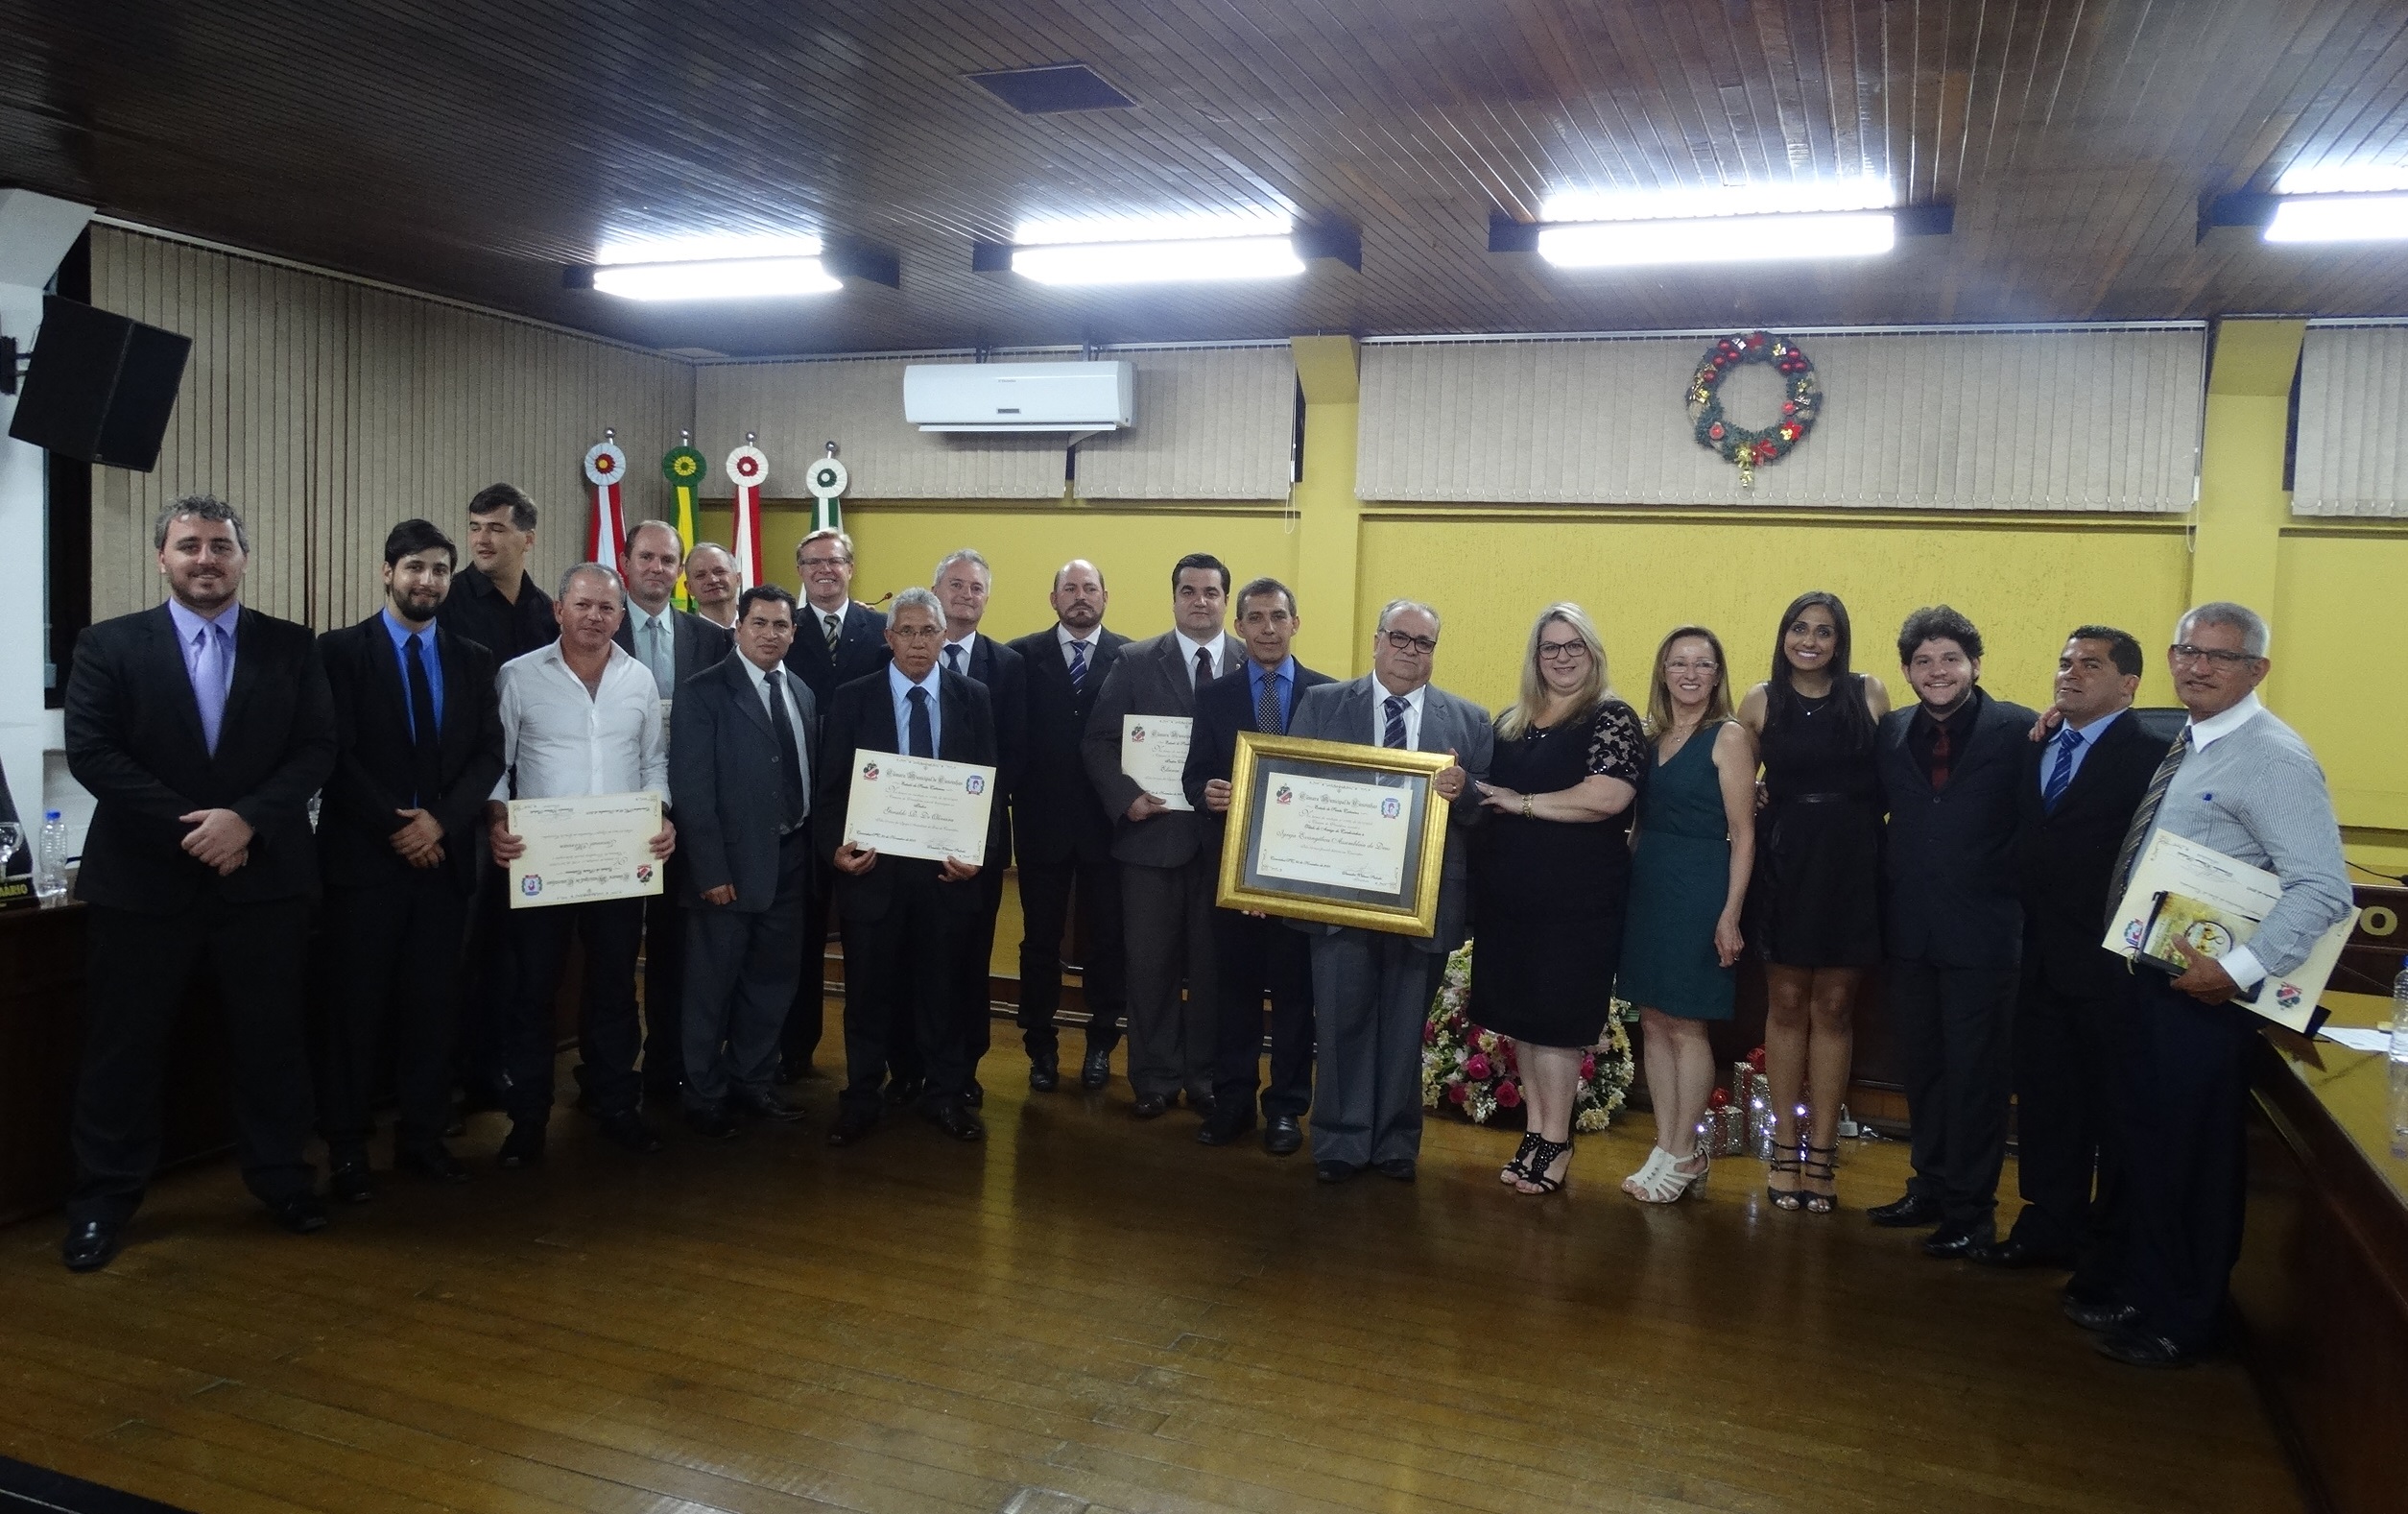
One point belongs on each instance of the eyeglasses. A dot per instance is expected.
(2184, 652)
(1684, 665)
(822, 562)
(1419, 646)
(1563, 651)
(915, 632)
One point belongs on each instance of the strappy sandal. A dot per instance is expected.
(1639, 1183)
(1789, 1200)
(1513, 1171)
(1670, 1184)
(1535, 1170)
(1817, 1167)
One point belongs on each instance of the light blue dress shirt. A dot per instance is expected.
(402, 635)
(2087, 739)
(209, 664)
(900, 686)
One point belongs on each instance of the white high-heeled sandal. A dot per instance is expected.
(1644, 1179)
(1666, 1183)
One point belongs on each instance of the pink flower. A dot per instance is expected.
(1504, 1049)
(1476, 1068)
(1589, 1067)
(1429, 1034)
(1508, 1094)
(1457, 1094)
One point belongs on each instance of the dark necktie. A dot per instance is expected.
(2143, 818)
(1940, 757)
(923, 736)
(789, 753)
(1204, 666)
(426, 742)
(1395, 735)
(2061, 773)
(1077, 667)
(1267, 706)
(835, 630)
(953, 658)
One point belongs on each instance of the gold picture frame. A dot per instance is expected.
(1411, 907)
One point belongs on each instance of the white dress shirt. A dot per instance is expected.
(1380, 696)
(1092, 641)
(561, 741)
(954, 657)
(900, 688)
(1188, 647)
(787, 682)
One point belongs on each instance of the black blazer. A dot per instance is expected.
(1054, 813)
(2065, 858)
(860, 718)
(372, 768)
(475, 610)
(694, 644)
(1004, 677)
(860, 649)
(1948, 858)
(723, 767)
(1222, 710)
(133, 740)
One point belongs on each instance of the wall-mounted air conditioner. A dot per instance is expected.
(1018, 396)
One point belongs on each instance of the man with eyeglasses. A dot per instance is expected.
(837, 639)
(1372, 988)
(2241, 781)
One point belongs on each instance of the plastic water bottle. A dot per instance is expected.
(50, 861)
(2400, 1061)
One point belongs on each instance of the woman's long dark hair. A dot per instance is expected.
(1781, 700)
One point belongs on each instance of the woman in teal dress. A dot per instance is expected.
(1696, 843)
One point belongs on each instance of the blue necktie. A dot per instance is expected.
(1077, 667)
(923, 736)
(1394, 735)
(2062, 772)
(210, 678)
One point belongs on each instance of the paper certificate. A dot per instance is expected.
(1335, 831)
(910, 806)
(1154, 751)
(584, 848)
(2180, 890)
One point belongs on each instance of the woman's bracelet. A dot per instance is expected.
(1526, 807)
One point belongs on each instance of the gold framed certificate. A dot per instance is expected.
(1328, 830)
(910, 806)
(578, 849)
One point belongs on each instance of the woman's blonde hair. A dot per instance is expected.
(1659, 688)
(1594, 690)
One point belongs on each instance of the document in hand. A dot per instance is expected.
(2180, 890)
(1154, 751)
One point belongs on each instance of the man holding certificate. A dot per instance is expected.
(580, 727)
(906, 787)
(2240, 782)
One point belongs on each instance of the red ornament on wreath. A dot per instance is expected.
(1742, 447)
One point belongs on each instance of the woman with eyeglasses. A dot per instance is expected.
(1689, 866)
(1814, 912)
(1550, 877)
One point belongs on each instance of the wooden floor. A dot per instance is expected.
(1083, 1314)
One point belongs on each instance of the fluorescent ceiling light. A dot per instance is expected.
(1209, 259)
(2344, 179)
(2340, 218)
(716, 279)
(1054, 231)
(1863, 192)
(687, 247)
(1721, 239)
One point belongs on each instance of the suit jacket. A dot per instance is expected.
(1449, 722)
(1948, 858)
(1055, 812)
(724, 762)
(1222, 710)
(860, 718)
(1149, 678)
(860, 649)
(372, 769)
(694, 644)
(2066, 857)
(133, 740)
(1004, 675)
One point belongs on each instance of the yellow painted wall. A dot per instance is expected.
(2340, 669)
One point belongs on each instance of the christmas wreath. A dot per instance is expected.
(1474, 1071)
(1802, 397)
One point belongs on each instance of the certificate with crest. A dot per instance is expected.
(578, 849)
(1153, 752)
(1328, 830)
(2211, 904)
(910, 806)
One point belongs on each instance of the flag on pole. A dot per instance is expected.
(683, 468)
(606, 468)
(749, 471)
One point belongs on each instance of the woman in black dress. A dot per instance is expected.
(1814, 913)
(1550, 876)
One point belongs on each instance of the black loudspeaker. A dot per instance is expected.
(100, 387)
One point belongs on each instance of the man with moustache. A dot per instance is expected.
(1167, 880)
(201, 728)
(418, 748)
(1951, 771)
(1063, 836)
(711, 582)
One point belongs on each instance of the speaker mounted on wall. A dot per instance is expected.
(101, 387)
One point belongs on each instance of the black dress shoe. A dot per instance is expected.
(91, 1244)
(952, 1117)
(2134, 1346)
(852, 1127)
(522, 1147)
(1915, 1212)
(1202, 1104)
(1219, 1132)
(1955, 1242)
(1096, 1070)
(1151, 1106)
(349, 1182)
(626, 1130)
(902, 1092)
(711, 1124)
(1044, 1074)
(2014, 1253)
(768, 1107)
(2103, 1315)
(1399, 1167)
(1282, 1136)
(304, 1213)
(433, 1162)
(975, 1097)
(1334, 1171)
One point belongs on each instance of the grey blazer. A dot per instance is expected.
(1149, 678)
(1449, 722)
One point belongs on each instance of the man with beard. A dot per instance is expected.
(418, 748)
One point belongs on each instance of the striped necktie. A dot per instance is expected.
(2060, 775)
(1394, 735)
(1077, 667)
(835, 630)
(2143, 818)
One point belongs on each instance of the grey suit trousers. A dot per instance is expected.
(1166, 921)
(1371, 996)
(741, 970)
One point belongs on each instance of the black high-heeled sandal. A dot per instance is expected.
(1786, 1200)
(1541, 1157)
(1817, 1167)
(1514, 1170)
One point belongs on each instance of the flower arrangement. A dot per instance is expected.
(1473, 1070)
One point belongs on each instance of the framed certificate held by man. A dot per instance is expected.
(910, 806)
(578, 849)
(1328, 830)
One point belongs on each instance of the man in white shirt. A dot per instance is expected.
(579, 717)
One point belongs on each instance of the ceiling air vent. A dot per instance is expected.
(1052, 90)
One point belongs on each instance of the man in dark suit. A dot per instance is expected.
(1167, 880)
(837, 639)
(2076, 798)
(1254, 955)
(200, 729)
(418, 750)
(675, 644)
(1063, 836)
(740, 739)
(903, 917)
(1950, 769)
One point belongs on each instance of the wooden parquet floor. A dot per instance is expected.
(1085, 1313)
